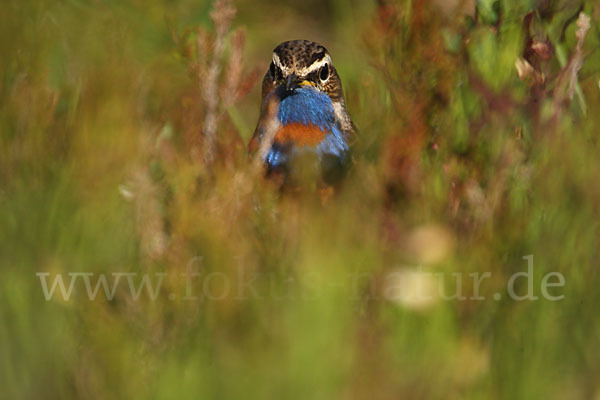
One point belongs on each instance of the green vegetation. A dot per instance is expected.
(478, 146)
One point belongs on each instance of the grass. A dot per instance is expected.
(464, 164)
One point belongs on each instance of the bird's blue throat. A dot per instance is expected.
(308, 106)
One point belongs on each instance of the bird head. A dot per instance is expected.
(301, 63)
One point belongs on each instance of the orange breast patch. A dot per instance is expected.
(300, 134)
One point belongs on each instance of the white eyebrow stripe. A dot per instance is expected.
(304, 71)
(278, 63)
(316, 65)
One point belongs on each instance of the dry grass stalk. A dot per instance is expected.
(149, 222)
(222, 15)
(583, 25)
(231, 89)
(567, 80)
(270, 126)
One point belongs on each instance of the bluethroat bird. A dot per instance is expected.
(303, 113)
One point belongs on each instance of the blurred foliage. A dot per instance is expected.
(478, 145)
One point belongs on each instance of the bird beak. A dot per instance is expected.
(294, 82)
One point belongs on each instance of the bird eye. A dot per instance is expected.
(324, 72)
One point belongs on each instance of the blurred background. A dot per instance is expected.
(477, 146)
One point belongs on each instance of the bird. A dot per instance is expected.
(303, 113)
